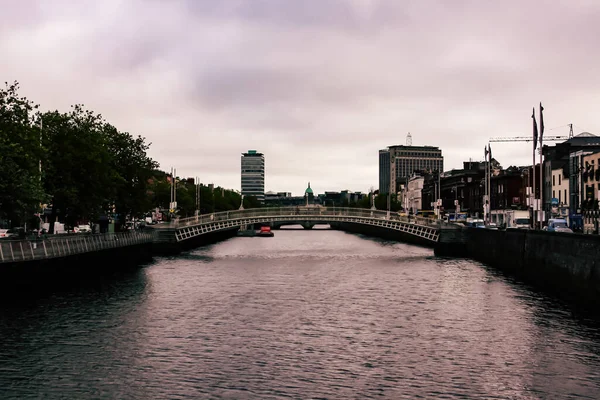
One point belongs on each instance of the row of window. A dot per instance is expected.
(561, 198)
(554, 180)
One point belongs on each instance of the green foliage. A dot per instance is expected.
(131, 171)
(89, 169)
(251, 202)
(78, 173)
(21, 192)
(381, 203)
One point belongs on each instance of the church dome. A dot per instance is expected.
(308, 189)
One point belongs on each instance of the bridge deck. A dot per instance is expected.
(187, 228)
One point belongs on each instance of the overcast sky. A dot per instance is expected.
(318, 86)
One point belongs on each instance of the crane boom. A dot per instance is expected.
(528, 139)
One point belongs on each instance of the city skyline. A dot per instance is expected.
(319, 90)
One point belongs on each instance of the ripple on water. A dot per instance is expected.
(317, 314)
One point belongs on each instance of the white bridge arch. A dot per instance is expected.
(188, 228)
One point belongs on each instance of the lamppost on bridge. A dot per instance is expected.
(373, 201)
(241, 203)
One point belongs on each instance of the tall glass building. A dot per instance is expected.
(253, 174)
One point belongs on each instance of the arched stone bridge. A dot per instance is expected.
(187, 228)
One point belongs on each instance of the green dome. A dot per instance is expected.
(308, 189)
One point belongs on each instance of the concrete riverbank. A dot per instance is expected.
(564, 264)
(68, 257)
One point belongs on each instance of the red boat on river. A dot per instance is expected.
(265, 231)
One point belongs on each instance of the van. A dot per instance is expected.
(558, 225)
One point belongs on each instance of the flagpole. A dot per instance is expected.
(533, 202)
(534, 198)
(485, 190)
(489, 184)
(541, 212)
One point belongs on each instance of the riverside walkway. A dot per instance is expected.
(55, 246)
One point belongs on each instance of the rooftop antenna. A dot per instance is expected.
(570, 131)
(409, 139)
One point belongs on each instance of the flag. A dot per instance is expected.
(490, 151)
(485, 152)
(541, 123)
(535, 130)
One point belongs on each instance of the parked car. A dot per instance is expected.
(558, 225)
(5, 233)
(83, 229)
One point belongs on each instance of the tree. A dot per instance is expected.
(132, 171)
(21, 192)
(251, 202)
(78, 172)
(381, 203)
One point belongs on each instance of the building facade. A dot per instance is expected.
(398, 163)
(414, 194)
(384, 171)
(577, 183)
(509, 189)
(253, 174)
(590, 181)
(570, 153)
(560, 186)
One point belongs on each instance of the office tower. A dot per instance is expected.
(253, 174)
(398, 163)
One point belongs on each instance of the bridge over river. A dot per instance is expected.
(185, 229)
(190, 232)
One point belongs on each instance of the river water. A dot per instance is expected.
(315, 314)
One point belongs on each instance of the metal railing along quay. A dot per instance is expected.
(54, 246)
(299, 212)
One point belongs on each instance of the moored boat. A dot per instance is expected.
(265, 231)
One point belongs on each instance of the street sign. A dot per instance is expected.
(171, 211)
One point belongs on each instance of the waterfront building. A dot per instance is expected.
(413, 194)
(559, 182)
(570, 153)
(398, 163)
(590, 180)
(253, 174)
(460, 189)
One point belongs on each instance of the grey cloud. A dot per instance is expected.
(318, 86)
(351, 16)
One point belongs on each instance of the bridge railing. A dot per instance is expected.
(299, 212)
(65, 245)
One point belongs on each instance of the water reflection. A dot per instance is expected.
(306, 314)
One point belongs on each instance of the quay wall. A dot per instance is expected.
(565, 264)
(62, 270)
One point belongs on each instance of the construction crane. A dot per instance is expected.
(530, 139)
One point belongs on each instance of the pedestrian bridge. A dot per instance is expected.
(188, 228)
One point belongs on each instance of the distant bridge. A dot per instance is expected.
(183, 229)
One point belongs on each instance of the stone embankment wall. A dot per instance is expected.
(565, 264)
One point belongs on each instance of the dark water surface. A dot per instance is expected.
(306, 314)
